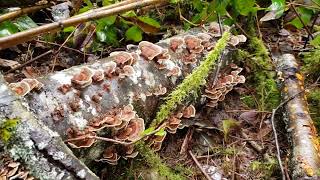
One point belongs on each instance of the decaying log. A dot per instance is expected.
(21, 3)
(40, 149)
(87, 98)
(305, 161)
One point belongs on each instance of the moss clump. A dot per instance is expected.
(314, 105)
(312, 62)
(192, 82)
(263, 78)
(7, 128)
(155, 162)
(264, 169)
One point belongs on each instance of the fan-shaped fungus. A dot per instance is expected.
(83, 79)
(20, 88)
(149, 50)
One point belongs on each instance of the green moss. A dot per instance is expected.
(311, 62)
(155, 162)
(192, 83)
(249, 101)
(264, 168)
(7, 128)
(314, 105)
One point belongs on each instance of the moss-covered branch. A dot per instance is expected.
(192, 82)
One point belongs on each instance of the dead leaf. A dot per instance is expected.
(249, 116)
(8, 63)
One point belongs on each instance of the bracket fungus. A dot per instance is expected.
(20, 88)
(98, 75)
(189, 112)
(109, 68)
(176, 44)
(84, 140)
(133, 131)
(224, 85)
(110, 156)
(83, 79)
(65, 88)
(122, 57)
(193, 44)
(13, 170)
(160, 90)
(149, 50)
(23, 87)
(126, 71)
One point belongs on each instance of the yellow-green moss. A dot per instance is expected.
(155, 162)
(7, 128)
(265, 169)
(192, 82)
(314, 105)
(311, 62)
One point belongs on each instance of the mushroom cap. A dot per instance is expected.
(83, 79)
(122, 57)
(234, 40)
(98, 75)
(189, 58)
(133, 131)
(193, 44)
(65, 88)
(20, 88)
(160, 90)
(127, 113)
(242, 38)
(174, 72)
(176, 43)
(109, 68)
(189, 112)
(149, 50)
(110, 156)
(128, 70)
(83, 143)
(33, 83)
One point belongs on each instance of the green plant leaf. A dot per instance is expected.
(220, 6)
(244, 7)
(148, 20)
(134, 33)
(228, 125)
(129, 14)
(316, 41)
(24, 23)
(89, 3)
(108, 35)
(7, 28)
(107, 21)
(200, 16)
(107, 2)
(305, 15)
(69, 29)
(84, 9)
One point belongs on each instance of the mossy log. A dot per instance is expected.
(305, 161)
(141, 76)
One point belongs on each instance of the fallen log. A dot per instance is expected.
(109, 97)
(305, 161)
(27, 140)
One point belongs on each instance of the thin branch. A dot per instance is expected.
(199, 166)
(19, 12)
(27, 35)
(30, 61)
(304, 25)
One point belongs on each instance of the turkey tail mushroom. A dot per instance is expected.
(305, 160)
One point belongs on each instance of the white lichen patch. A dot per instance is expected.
(143, 97)
(130, 95)
(170, 65)
(62, 78)
(81, 174)
(77, 120)
(42, 145)
(149, 78)
(58, 155)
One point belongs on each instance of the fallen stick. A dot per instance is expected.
(20, 37)
(22, 11)
(305, 160)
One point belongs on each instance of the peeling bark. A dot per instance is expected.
(40, 149)
(305, 161)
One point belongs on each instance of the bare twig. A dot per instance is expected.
(255, 145)
(27, 35)
(199, 166)
(19, 12)
(30, 61)
(60, 45)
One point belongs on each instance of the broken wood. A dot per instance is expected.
(305, 161)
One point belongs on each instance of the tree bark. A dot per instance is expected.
(305, 161)
(40, 149)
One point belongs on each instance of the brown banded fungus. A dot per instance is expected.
(133, 131)
(98, 75)
(176, 44)
(155, 142)
(84, 140)
(193, 44)
(65, 88)
(160, 90)
(122, 58)
(20, 88)
(33, 83)
(224, 85)
(126, 71)
(189, 112)
(83, 79)
(109, 68)
(149, 50)
(13, 170)
(110, 156)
